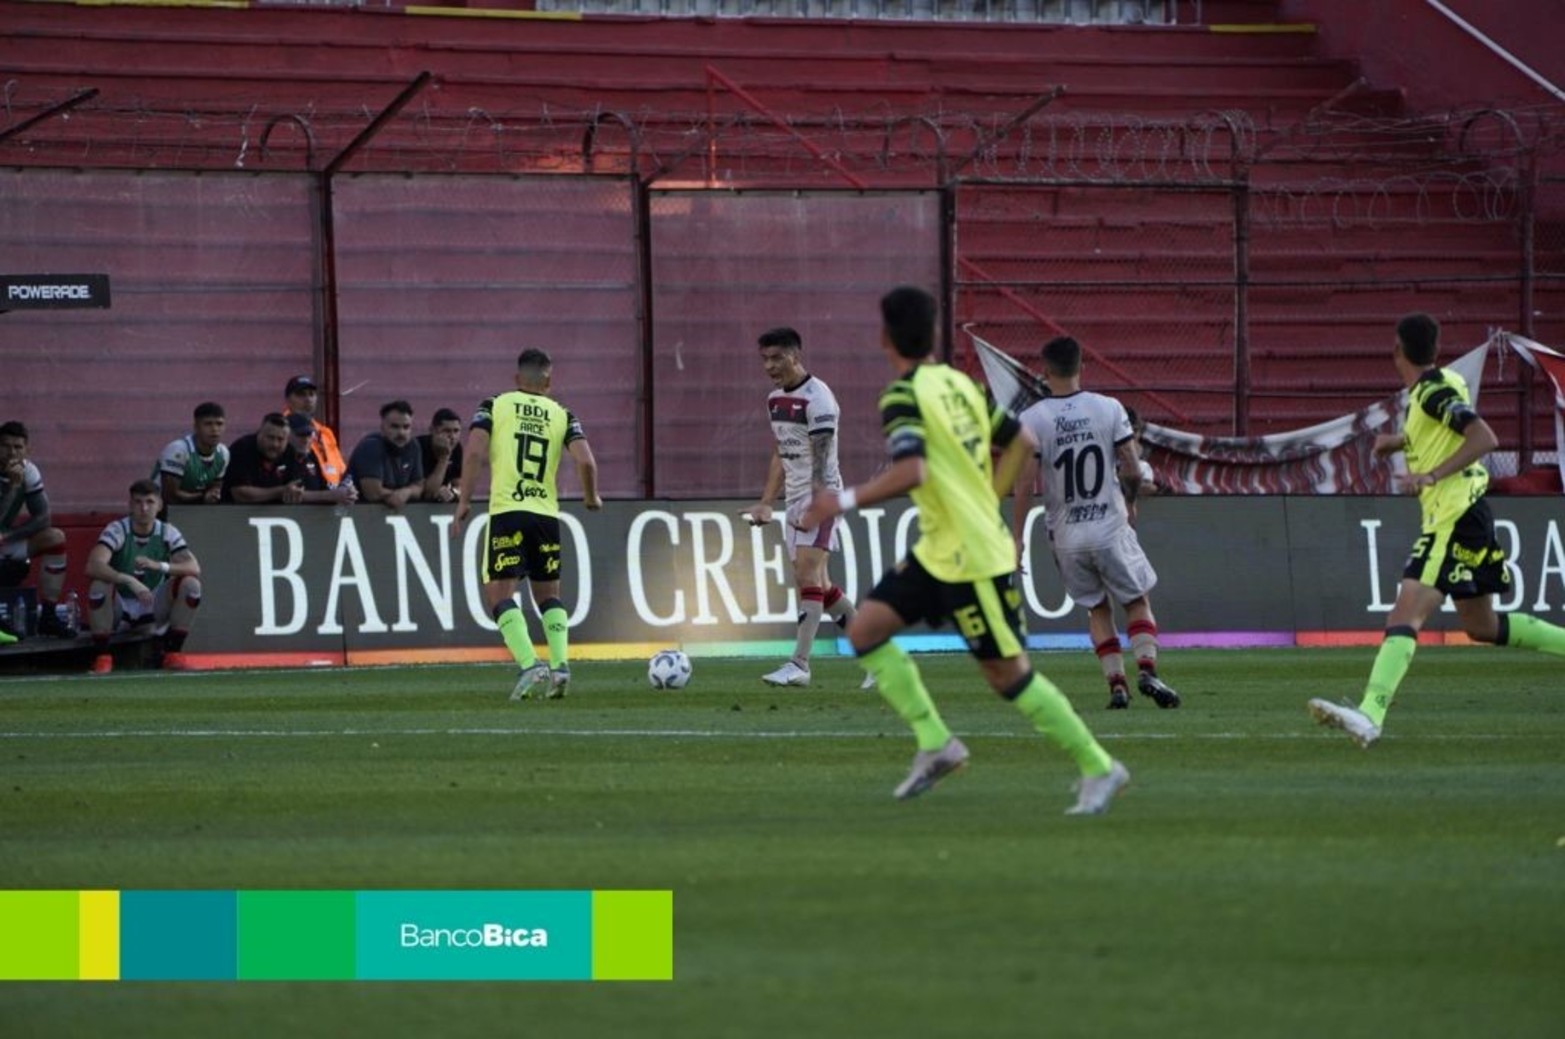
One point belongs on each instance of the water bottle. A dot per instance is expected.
(341, 508)
(73, 611)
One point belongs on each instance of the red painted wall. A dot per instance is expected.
(1410, 43)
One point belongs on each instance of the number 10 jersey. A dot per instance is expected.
(1078, 437)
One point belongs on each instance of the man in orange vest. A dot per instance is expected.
(303, 395)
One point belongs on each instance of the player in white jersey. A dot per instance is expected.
(804, 421)
(1080, 437)
(22, 540)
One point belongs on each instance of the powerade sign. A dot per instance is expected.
(53, 291)
(307, 579)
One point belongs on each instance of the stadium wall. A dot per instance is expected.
(290, 586)
(1410, 42)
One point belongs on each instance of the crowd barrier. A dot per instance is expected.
(300, 585)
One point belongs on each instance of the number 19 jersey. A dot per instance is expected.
(528, 433)
(1078, 436)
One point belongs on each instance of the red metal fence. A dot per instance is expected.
(1224, 279)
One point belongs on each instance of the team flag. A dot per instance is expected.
(1334, 457)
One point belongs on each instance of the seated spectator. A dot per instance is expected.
(21, 491)
(303, 396)
(440, 451)
(386, 465)
(190, 470)
(143, 575)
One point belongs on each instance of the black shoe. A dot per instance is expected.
(49, 623)
(1119, 698)
(1162, 695)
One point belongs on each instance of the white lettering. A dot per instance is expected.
(488, 936)
(473, 539)
(904, 534)
(48, 292)
(709, 571)
(877, 561)
(1512, 554)
(581, 563)
(1372, 542)
(1029, 584)
(1553, 564)
(355, 575)
(633, 559)
(771, 562)
(850, 571)
(438, 592)
(270, 573)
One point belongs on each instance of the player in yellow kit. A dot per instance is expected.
(939, 428)
(1456, 553)
(521, 436)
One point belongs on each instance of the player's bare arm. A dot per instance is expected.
(1129, 475)
(477, 455)
(38, 518)
(181, 564)
(1478, 440)
(587, 471)
(822, 446)
(897, 479)
(172, 492)
(99, 568)
(435, 481)
(1022, 492)
(1389, 444)
(760, 513)
(1015, 455)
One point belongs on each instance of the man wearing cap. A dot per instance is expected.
(305, 468)
(303, 396)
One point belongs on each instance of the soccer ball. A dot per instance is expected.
(668, 669)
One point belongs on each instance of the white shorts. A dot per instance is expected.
(16, 550)
(1118, 569)
(823, 537)
(128, 611)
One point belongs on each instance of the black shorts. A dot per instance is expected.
(987, 613)
(522, 545)
(1462, 560)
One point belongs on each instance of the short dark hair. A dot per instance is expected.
(274, 418)
(907, 314)
(142, 488)
(1062, 356)
(444, 415)
(13, 428)
(1419, 335)
(396, 405)
(533, 358)
(782, 336)
(209, 409)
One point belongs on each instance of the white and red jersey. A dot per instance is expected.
(1078, 440)
(800, 416)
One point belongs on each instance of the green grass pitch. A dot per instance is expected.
(1261, 877)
